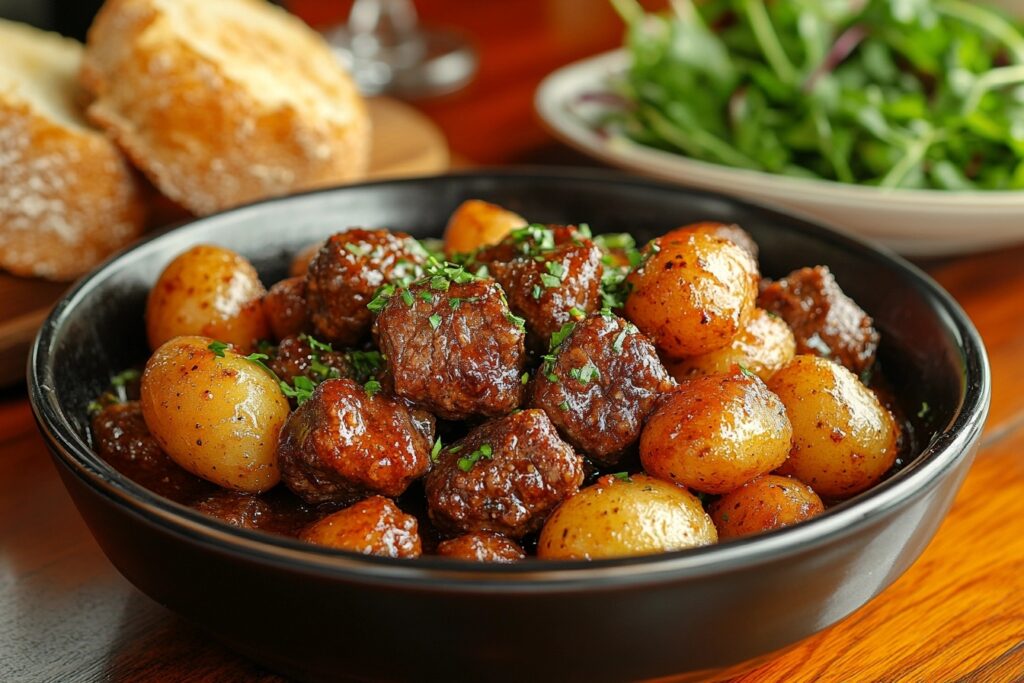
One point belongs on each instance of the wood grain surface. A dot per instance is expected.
(956, 615)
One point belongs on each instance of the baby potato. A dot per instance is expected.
(763, 346)
(714, 434)
(208, 291)
(623, 516)
(693, 294)
(217, 417)
(766, 503)
(729, 231)
(373, 526)
(843, 439)
(477, 224)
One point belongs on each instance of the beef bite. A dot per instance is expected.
(505, 476)
(599, 384)
(346, 273)
(284, 307)
(550, 274)
(348, 441)
(825, 322)
(123, 440)
(452, 346)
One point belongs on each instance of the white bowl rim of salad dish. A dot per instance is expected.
(915, 222)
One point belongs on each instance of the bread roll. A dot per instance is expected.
(222, 102)
(67, 196)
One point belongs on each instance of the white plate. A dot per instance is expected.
(913, 222)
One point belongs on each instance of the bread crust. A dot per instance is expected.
(68, 198)
(223, 122)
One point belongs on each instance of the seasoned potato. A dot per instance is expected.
(208, 291)
(714, 434)
(729, 231)
(693, 294)
(374, 526)
(766, 503)
(476, 224)
(218, 417)
(481, 546)
(843, 439)
(763, 346)
(623, 517)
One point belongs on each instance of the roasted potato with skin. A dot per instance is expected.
(692, 294)
(729, 231)
(844, 440)
(623, 516)
(763, 346)
(374, 526)
(209, 291)
(218, 417)
(714, 434)
(766, 503)
(476, 223)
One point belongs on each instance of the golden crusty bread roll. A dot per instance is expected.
(222, 102)
(68, 198)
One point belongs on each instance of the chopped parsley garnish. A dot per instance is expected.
(365, 365)
(380, 299)
(537, 292)
(218, 348)
(425, 295)
(525, 379)
(746, 371)
(357, 250)
(485, 452)
(585, 374)
(564, 405)
(436, 450)
(371, 388)
(440, 282)
(577, 313)
(407, 297)
(125, 377)
(549, 281)
(621, 338)
(552, 377)
(515, 320)
(623, 476)
(560, 336)
(555, 268)
(534, 239)
(302, 390)
(435, 321)
(925, 409)
(315, 345)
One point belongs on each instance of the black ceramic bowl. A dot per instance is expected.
(322, 614)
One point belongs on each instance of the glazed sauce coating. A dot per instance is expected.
(604, 381)
(294, 357)
(374, 526)
(344, 443)
(456, 352)
(284, 307)
(544, 285)
(481, 546)
(345, 274)
(124, 442)
(506, 476)
(824, 320)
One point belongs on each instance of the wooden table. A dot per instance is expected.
(958, 614)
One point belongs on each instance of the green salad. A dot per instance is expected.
(893, 93)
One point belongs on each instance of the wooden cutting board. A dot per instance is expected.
(405, 143)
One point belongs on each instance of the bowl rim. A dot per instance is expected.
(549, 104)
(951, 444)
